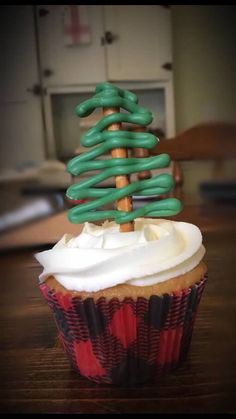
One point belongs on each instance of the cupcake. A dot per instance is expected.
(124, 293)
(125, 303)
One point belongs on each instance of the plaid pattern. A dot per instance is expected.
(129, 341)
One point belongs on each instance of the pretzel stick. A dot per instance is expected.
(141, 152)
(123, 204)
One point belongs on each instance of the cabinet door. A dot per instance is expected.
(66, 61)
(138, 42)
(21, 124)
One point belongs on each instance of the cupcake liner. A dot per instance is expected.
(129, 341)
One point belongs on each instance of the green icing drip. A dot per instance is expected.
(107, 96)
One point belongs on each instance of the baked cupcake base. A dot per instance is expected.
(127, 335)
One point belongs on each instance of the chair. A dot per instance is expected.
(214, 141)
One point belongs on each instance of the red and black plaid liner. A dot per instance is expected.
(125, 342)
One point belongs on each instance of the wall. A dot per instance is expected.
(204, 56)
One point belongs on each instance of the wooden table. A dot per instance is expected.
(36, 376)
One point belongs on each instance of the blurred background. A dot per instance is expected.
(179, 59)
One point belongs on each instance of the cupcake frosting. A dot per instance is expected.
(101, 257)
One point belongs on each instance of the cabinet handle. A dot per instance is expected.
(167, 66)
(36, 90)
(43, 12)
(108, 38)
(47, 72)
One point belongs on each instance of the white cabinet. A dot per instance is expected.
(139, 42)
(64, 64)
(128, 43)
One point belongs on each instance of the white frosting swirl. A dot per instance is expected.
(102, 257)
